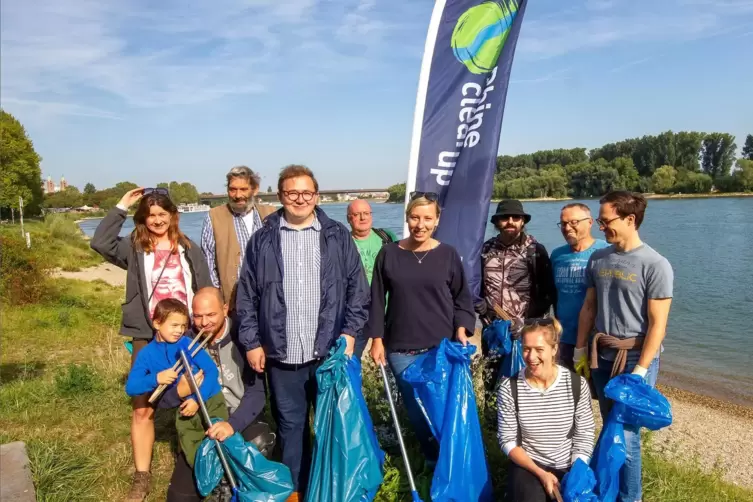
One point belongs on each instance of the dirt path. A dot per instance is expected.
(105, 272)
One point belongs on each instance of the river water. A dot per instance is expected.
(709, 243)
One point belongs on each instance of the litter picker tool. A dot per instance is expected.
(178, 366)
(557, 494)
(208, 420)
(412, 483)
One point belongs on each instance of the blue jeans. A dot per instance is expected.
(429, 446)
(631, 483)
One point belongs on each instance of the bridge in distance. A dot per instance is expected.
(214, 200)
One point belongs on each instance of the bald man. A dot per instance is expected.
(243, 389)
(368, 240)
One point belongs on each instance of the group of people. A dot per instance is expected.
(273, 289)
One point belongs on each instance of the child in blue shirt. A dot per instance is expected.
(153, 367)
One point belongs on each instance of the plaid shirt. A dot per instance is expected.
(242, 232)
(301, 284)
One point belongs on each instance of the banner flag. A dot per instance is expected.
(461, 100)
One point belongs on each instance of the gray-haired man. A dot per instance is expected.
(228, 228)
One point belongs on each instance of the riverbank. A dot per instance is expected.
(712, 432)
(62, 372)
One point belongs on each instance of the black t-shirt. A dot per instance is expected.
(428, 301)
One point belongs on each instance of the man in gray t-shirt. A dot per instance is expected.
(628, 299)
(624, 282)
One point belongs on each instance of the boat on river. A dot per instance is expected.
(193, 208)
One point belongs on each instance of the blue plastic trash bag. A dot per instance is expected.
(579, 483)
(259, 479)
(441, 380)
(497, 338)
(347, 463)
(637, 403)
(608, 458)
(513, 362)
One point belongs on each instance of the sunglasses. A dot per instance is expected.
(430, 196)
(158, 191)
(539, 321)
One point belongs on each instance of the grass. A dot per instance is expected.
(61, 241)
(61, 385)
(62, 369)
(674, 482)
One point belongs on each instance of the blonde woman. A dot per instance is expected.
(545, 420)
(429, 300)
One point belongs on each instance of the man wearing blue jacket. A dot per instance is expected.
(242, 388)
(301, 287)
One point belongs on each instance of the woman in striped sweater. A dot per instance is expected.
(545, 421)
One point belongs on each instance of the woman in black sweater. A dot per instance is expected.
(429, 300)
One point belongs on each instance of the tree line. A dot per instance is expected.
(22, 176)
(71, 197)
(683, 162)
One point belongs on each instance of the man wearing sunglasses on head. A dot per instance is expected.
(516, 274)
(628, 299)
(301, 288)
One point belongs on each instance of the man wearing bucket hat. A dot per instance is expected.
(516, 274)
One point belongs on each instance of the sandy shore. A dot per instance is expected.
(104, 272)
(714, 433)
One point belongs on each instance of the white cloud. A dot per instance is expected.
(84, 55)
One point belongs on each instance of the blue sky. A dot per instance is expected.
(183, 90)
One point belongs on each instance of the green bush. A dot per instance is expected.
(61, 227)
(24, 273)
(76, 379)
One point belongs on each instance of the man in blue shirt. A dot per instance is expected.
(569, 266)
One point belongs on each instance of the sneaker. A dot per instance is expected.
(139, 487)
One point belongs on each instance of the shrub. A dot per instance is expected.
(24, 273)
(61, 227)
(76, 379)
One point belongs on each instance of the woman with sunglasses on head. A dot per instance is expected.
(429, 300)
(161, 263)
(544, 417)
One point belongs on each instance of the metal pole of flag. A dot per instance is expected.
(208, 420)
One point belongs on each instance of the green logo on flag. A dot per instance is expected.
(481, 32)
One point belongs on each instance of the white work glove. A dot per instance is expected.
(640, 371)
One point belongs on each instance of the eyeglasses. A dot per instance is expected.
(606, 223)
(158, 191)
(362, 214)
(295, 196)
(572, 223)
(430, 196)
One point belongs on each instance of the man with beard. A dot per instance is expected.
(569, 266)
(516, 276)
(228, 228)
(242, 388)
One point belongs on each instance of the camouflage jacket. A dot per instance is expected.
(517, 277)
